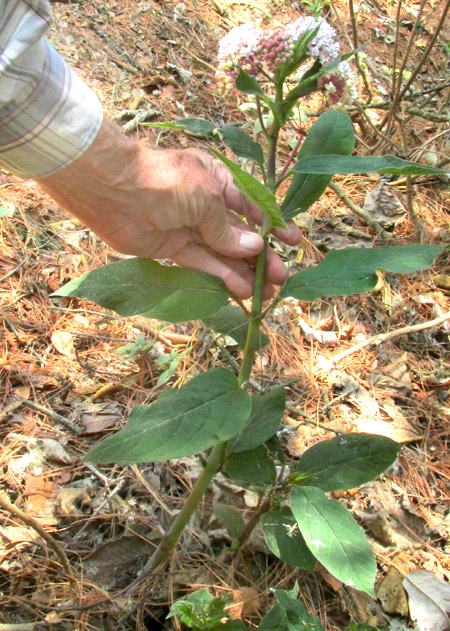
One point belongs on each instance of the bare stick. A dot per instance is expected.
(355, 45)
(50, 414)
(385, 337)
(358, 210)
(36, 526)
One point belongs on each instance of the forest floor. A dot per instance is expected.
(66, 381)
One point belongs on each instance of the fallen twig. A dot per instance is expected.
(50, 414)
(36, 526)
(385, 337)
(359, 211)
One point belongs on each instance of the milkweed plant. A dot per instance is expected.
(216, 414)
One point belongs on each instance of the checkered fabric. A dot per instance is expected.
(48, 115)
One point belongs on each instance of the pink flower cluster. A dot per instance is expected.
(255, 50)
(274, 48)
(338, 85)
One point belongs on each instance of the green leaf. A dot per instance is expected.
(255, 191)
(195, 126)
(331, 133)
(241, 144)
(343, 165)
(264, 420)
(353, 270)
(209, 409)
(140, 286)
(334, 537)
(274, 620)
(347, 461)
(289, 614)
(232, 321)
(297, 615)
(309, 80)
(230, 518)
(284, 538)
(299, 54)
(201, 611)
(363, 626)
(276, 449)
(247, 84)
(252, 469)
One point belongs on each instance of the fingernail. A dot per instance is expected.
(250, 241)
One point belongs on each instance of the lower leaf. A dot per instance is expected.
(284, 538)
(334, 537)
(209, 409)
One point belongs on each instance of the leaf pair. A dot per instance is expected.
(314, 527)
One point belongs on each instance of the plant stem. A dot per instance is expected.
(216, 457)
(251, 343)
(169, 540)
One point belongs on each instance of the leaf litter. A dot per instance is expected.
(98, 514)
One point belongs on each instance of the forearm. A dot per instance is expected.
(97, 187)
(48, 115)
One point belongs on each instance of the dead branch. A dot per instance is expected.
(385, 337)
(36, 526)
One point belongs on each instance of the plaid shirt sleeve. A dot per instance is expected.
(48, 115)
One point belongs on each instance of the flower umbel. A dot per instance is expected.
(257, 51)
(339, 85)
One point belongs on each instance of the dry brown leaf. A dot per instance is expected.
(442, 281)
(391, 593)
(245, 603)
(53, 450)
(63, 342)
(18, 534)
(40, 499)
(68, 500)
(429, 600)
(98, 416)
(365, 609)
(23, 391)
(110, 561)
(401, 431)
(331, 580)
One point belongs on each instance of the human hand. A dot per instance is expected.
(168, 204)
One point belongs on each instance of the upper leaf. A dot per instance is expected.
(140, 286)
(247, 84)
(241, 144)
(255, 191)
(263, 422)
(334, 537)
(232, 321)
(298, 56)
(209, 409)
(196, 126)
(339, 165)
(353, 270)
(347, 461)
(332, 133)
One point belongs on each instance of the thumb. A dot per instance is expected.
(224, 238)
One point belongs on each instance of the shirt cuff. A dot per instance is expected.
(53, 126)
